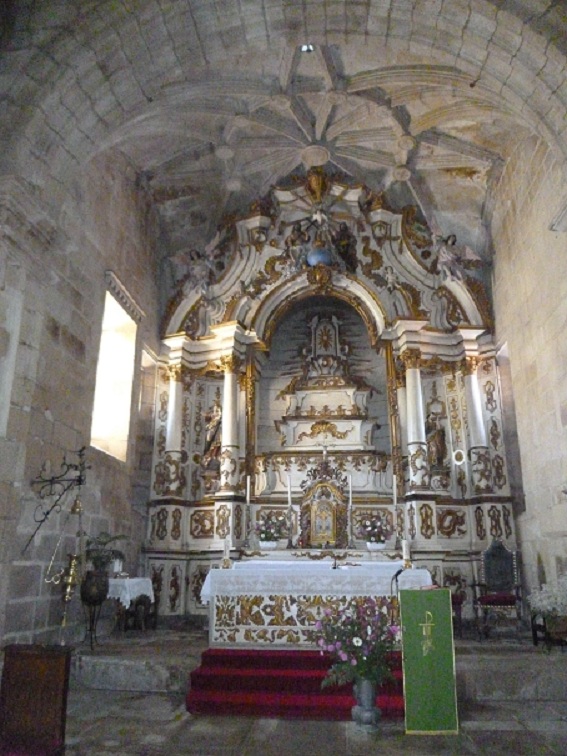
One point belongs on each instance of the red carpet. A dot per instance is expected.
(284, 684)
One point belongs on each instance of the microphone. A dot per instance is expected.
(395, 578)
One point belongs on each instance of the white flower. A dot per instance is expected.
(551, 599)
(357, 641)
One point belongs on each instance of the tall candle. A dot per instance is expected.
(248, 489)
(406, 556)
(395, 490)
(289, 490)
(350, 491)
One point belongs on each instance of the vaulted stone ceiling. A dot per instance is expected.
(215, 102)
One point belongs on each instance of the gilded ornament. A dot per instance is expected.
(495, 517)
(201, 523)
(454, 313)
(320, 277)
(323, 427)
(490, 396)
(176, 524)
(222, 521)
(230, 363)
(411, 359)
(451, 522)
(479, 522)
(426, 514)
(477, 290)
(507, 518)
(498, 475)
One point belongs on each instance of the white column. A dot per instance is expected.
(229, 427)
(403, 415)
(416, 436)
(174, 458)
(481, 464)
(174, 410)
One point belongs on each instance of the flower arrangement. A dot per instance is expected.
(272, 526)
(360, 638)
(373, 530)
(550, 601)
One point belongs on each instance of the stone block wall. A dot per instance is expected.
(530, 291)
(55, 269)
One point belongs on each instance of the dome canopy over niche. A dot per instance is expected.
(323, 384)
(320, 235)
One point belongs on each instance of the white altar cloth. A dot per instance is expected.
(270, 605)
(263, 578)
(126, 590)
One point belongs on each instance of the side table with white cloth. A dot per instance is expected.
(135, 601)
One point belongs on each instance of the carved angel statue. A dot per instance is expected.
(452, 258)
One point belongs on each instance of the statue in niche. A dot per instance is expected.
(210, 460)
(296, 245)
(435, 431)
(345, 246)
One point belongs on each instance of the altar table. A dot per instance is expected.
(258, 604)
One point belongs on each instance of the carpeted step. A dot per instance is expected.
(284, 684)
(243, 659)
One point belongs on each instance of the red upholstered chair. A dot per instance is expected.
(457, 600)
(498, 593)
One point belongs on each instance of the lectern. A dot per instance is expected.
(33, 699)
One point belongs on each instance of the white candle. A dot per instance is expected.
(289, 490)
(406, 551)
(350, 491)
(395, 491)
(248, 489)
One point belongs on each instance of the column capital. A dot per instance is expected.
(411, 358)
(231, 363)
(470, 365)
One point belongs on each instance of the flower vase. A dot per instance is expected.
(375, 545)
(268, 545)
(365, 712)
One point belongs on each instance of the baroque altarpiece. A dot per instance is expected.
(325, 360)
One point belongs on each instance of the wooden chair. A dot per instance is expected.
(498, 593)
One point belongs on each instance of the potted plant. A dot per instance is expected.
(100, 551)
(270, 528)
(373, 531)
(360, 639)
(550, 603)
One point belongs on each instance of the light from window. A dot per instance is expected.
(114, 378)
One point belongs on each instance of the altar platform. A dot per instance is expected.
(511, 699)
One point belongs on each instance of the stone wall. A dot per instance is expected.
(51, 306)
(530, 291)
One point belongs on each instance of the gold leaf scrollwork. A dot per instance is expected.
(320, 277)
(426, 515)
(323, 427)
(451, 522)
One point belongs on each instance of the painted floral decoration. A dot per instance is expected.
(272, 526)
(373, 529)
(360, 638)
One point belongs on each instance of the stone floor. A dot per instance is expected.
(101, 722)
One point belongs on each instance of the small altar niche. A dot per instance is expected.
(326, 399)
(324, 510)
